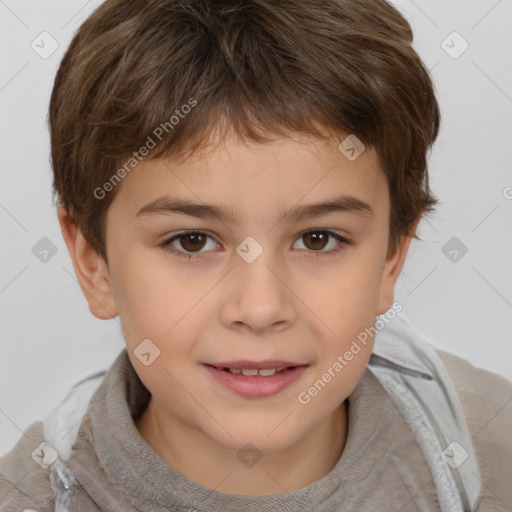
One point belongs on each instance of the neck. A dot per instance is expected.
(204, 461)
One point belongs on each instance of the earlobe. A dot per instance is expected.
(90, 269)
(391, 271)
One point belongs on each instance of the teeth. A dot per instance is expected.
(268, 372)
(250, 372)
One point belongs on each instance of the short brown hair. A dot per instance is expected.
(268, 67)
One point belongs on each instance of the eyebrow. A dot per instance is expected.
(345, 204)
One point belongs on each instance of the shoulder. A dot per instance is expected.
(23, 482)
(486, 399)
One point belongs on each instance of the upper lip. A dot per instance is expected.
(247, 365)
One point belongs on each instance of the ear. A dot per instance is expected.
(391, 270)
(90, 269)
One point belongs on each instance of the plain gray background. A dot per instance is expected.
(460, 302)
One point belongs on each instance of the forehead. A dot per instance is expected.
(243, 179)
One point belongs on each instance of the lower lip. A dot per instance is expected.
(256, 386)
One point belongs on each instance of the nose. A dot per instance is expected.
(260, 296)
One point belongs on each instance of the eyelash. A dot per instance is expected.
(339, 248)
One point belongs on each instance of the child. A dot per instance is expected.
(269, 368)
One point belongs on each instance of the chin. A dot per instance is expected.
(263, 437)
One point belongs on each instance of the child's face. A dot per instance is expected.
(291, 303)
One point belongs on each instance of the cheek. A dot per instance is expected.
(159, 303)
(347, 299)
(149, 297)
(348, 306)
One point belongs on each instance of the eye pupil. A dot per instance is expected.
(318, 239)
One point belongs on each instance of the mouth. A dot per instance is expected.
(267, 368)
(256, 379)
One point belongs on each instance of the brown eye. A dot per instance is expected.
(322, 242)
(315, 240)
(190, 244)
(192, 241)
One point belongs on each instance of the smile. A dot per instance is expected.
(262, 372)
(255, 382)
